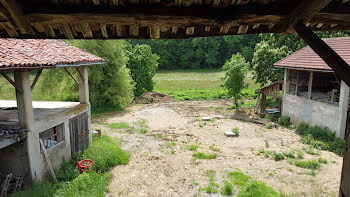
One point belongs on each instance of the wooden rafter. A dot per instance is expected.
(71, 75)
(303, 12)
(11, 81)
(17, 16)
(80, 74)
(36, 78)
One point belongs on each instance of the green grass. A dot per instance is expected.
(277, 156)
(312, 164)
(321, 138)
(197, 85)
(322, 160)
(284, 121)
(212, 187)
(119, 125)
(213, 148)
(143, 131)
(267, 144)
(201, 155)
(105, 153)
(235, 131)
(227, 189)
(192, 147)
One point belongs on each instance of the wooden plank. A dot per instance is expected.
(207, 28)
(339, 66)
(189, 30)
(11, 81)
(303, 12)
(36, 78)
(242, 29)
(67, 31)
(224, 29)
(10, 30)
(17, 16)
(154, 32)
(133, 30)
(344, 190)
(48, 160)
(80, 74)
(309, 90)
(48, 30)
(86, 30)
(174, 30)
(104, 30)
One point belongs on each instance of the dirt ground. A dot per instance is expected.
(160, 168)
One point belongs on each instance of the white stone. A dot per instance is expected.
(229, 133)
(206, 118)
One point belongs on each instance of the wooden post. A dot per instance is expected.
(297, 84)
(83, 85)
(345, 175)
(309, 91)
(339, 66)
(263, 103)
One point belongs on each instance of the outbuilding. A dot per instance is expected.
(312, 92)
(63, 127)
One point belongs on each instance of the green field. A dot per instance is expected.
(197, 84)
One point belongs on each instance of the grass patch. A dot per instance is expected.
(267, 144)
(284, 121)
(192, 147)
(277, 156)
(119, 125)
(227, 189)
(269, 117)
(105, 153)
(201, 155)
(235, 131)
(213, 187)
(321, 138)
(313, 164)
(143, 131)
(268, 125)
(213, 148)
(44, 189)
(322, 160)
(67, 171)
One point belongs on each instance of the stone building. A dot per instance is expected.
(63, 127)
(312, 92)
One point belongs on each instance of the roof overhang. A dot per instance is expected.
(305, 69)
(52, 66)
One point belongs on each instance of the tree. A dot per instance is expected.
(236, 68)
(109, 84)
(264, 58)
(143, 65)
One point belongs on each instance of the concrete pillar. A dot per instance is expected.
(84, 93)
(83, 85)
(343, 109)
(26, 118)
(24, 99)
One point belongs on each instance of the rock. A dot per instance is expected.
(229, 133)
(206, 118)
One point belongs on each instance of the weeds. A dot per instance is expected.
(277, 156)
(212, 188)
(284, 121)
(193, 147)
(143, 131)
(227, 189)
(269, 117)
(313, 164)
(235, 131)
(119, 125)
(268, 125)
(201, 155)
(172, 144)
(322, 160)
(267, 144)
(213, 148)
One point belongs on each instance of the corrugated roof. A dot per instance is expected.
(29, 53)
(306, 58)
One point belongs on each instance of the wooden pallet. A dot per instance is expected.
(4, 183)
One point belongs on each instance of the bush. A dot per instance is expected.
(277, 156)
(87, 184)
(284, 121)
(67, 171)
(321, 138)
(269, 117)
(106, 154)
(143, 65)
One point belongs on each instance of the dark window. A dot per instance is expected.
(52, 136)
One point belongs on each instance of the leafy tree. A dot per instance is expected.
(264, 58)
(109, 84)
(143, 65)
(236, 68)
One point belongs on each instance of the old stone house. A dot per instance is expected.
(312, 92)
(63, 127)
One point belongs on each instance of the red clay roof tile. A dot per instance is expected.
(306, 58)
(38, 52)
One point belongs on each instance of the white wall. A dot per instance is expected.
(313, 112)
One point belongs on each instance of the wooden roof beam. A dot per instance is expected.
(86, 30)
(104, 30)
(303, 12)
(17, 16)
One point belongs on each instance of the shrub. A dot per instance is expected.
(284, 121)
(105, 153)
(143, 65)
(235, 68)
(321, 138)
(269, 117)
(67, 171)
(87, 184)
(277, 156)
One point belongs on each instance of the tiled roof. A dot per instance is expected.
(30, 53)
(306, 58)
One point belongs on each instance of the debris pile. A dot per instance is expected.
(7, 132)
(152, 97)
(10, 183)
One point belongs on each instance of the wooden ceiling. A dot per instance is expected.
(153, 19)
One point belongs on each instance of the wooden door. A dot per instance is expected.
(79, 132)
